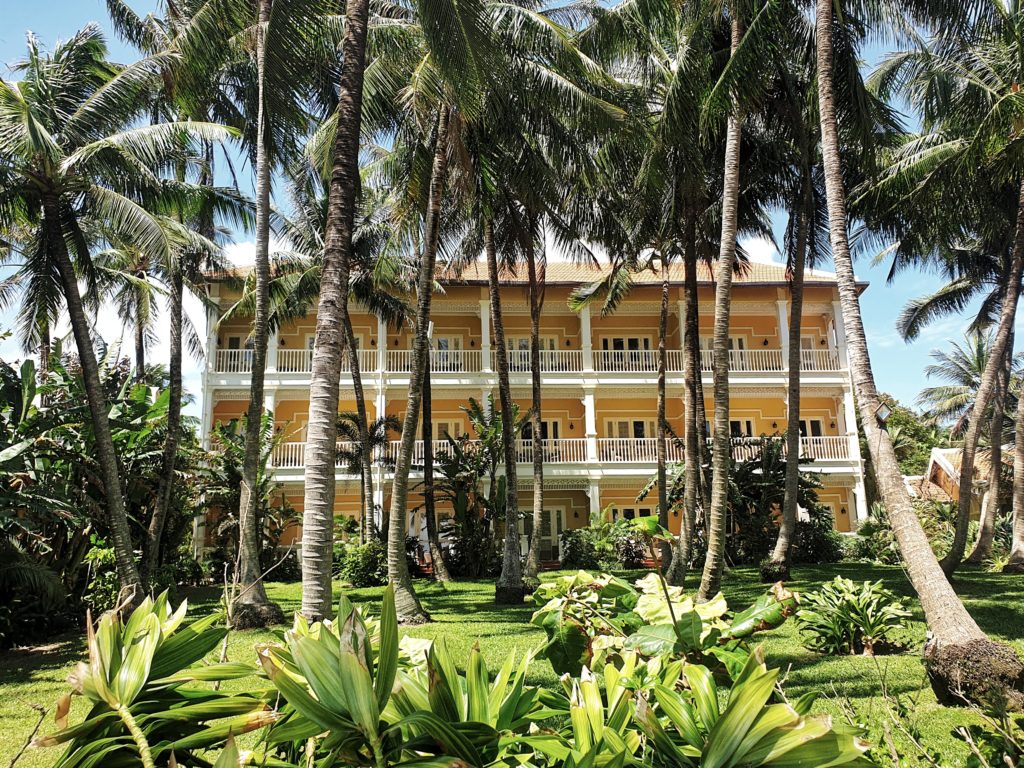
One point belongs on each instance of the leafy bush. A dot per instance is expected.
(591, 619)
(846, 618)
(604, 545)
(143, 707)
(816, 539)
(103, 586)
(578, 552)
(364, 565)
(875, 541)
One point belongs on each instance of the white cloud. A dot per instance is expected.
(761, 250)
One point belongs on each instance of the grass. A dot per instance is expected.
(464, 614)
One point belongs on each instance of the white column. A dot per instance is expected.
(860, 499)
(850, 425)
(272, 352)
(382, 345)
(840, 328)
(595, 500)
(587, 340)
(270, 406)
(681, 308)
(590, 424)
(783, 307)
(485, 336)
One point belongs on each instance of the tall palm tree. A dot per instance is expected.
(437, 562)
(950, 623)
(70, 154)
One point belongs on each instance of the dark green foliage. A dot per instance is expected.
(844, 617)
(578, 551)
(817, 540)
(603, 546)
(364, 565)
(914, 436)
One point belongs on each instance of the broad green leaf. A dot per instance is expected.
(387, 653)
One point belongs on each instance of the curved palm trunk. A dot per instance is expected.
(983, 396)
(509, 589)
(132, 589)
(252, 607)
(953, 629)
(362, 425)
(693, 455)
(987, 524)
(140, 337)
(1016, 562)
(165, 486)
(787, 525)
(536, 297)
(662, 433)
(714, 563)
(406, 603)
(328, 346)
(437, 563)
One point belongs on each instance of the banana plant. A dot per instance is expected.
(144, 709)
(344, 707)
(691, 729)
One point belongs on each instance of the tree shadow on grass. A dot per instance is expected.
(29, 664)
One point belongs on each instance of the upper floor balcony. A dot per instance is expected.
(582, 453)
(472, 362)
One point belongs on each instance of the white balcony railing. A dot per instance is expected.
(233, 360)
(755, 360)
(819, 360)
(551, 360)
(627, 361)
(441, 361)
(301, 361)
(610, 450)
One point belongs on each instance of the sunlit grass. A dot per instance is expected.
(464, 614)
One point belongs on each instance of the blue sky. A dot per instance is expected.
(898, 366)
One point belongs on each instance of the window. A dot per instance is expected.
(234, 342)
(628, 353)
(442, 429)
(447, 354)
(519, 352)
(741, 428)
(632, 513)
(811, 428)
(548, 430)
(631, 428)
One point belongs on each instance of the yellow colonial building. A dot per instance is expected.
(599, 386)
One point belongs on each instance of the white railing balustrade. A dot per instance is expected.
(441, 361)
(234, 360)
(825, 448)
(626, 360)
(627, 449)
(819, 360)
(755, 360)
(551, 360)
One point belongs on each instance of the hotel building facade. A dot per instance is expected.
(599, 391)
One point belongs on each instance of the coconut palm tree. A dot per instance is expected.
(951, 625)
(70, 155)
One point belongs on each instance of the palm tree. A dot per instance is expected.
(437, 562)
(351, 453)
(68, 155)
(950, 623)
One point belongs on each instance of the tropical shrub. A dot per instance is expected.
(848, 618)
(578, 552)
(875, 541)
(149, 693)
(816, 539)
(691, 727)
(102, 588)
(603, 545)
(364, 565)
(591, 619)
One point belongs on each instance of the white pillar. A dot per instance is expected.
(850, 424)
(587, 340)
(783, 307)
(485, 336)
(840, 327)
(860, 499)
(382, 345)
(590, 424)
(595, 500)
(272, 352)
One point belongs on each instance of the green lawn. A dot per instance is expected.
(464, 614)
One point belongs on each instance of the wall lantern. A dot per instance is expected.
(568, 342)
(832, 425)
(764, 343)
(775, 425)
(472, 342)
(576, 514)
(283, 343)
(373, 342)
(571, 426)
(842, 511)
(823, 342)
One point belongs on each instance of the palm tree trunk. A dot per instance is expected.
(509, 589)
(165, 486)
(536, 296)
(987, 524)
(406, 603)
(693, 455)
(437, 563)
(1016, 562)
(132, 589)
(787, 525)
(140, 337)
(714, 563)
(983, 396)
(362, 424)
(953, 629)
(252, 607)
(328, 346)
(661, 431)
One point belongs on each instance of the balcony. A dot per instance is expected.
(472, 362)
(610, 451)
